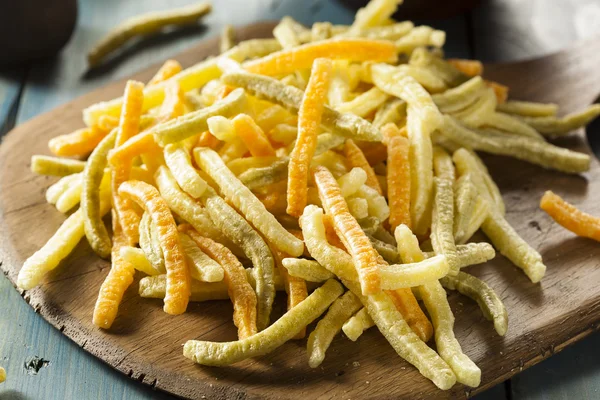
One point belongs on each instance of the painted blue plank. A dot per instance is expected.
(62, 78)
(573, 373)
(11, 80)
(70, 374)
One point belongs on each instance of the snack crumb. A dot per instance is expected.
(355, 364)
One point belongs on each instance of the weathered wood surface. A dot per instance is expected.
(498, 30)
(544, 318)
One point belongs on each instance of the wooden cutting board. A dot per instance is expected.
(146, 344)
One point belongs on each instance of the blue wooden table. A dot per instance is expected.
(496, 31)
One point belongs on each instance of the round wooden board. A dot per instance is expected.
(146, 344)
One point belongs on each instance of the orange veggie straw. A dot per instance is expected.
(172, 107)
(398, 176)
(168, 69)
(356, 158)
(253, 137)
(207, 139)
(366, 259)
(274, 202)
(223, 92)
(287, 61)
(468, 67)
(78, 143)
(332, 236)
(374, 152)
(174, 104)
(139, 144)
(567, 215)
(83, 141)
(407, 304)
(500, 91)
(309, 121)
(240, 291)
(119, 277)
(178, 275)
(297, 292)
(294, 286)
(129, 125)
(126, 213)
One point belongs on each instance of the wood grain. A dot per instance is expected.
(572, 374)
(544, 318)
